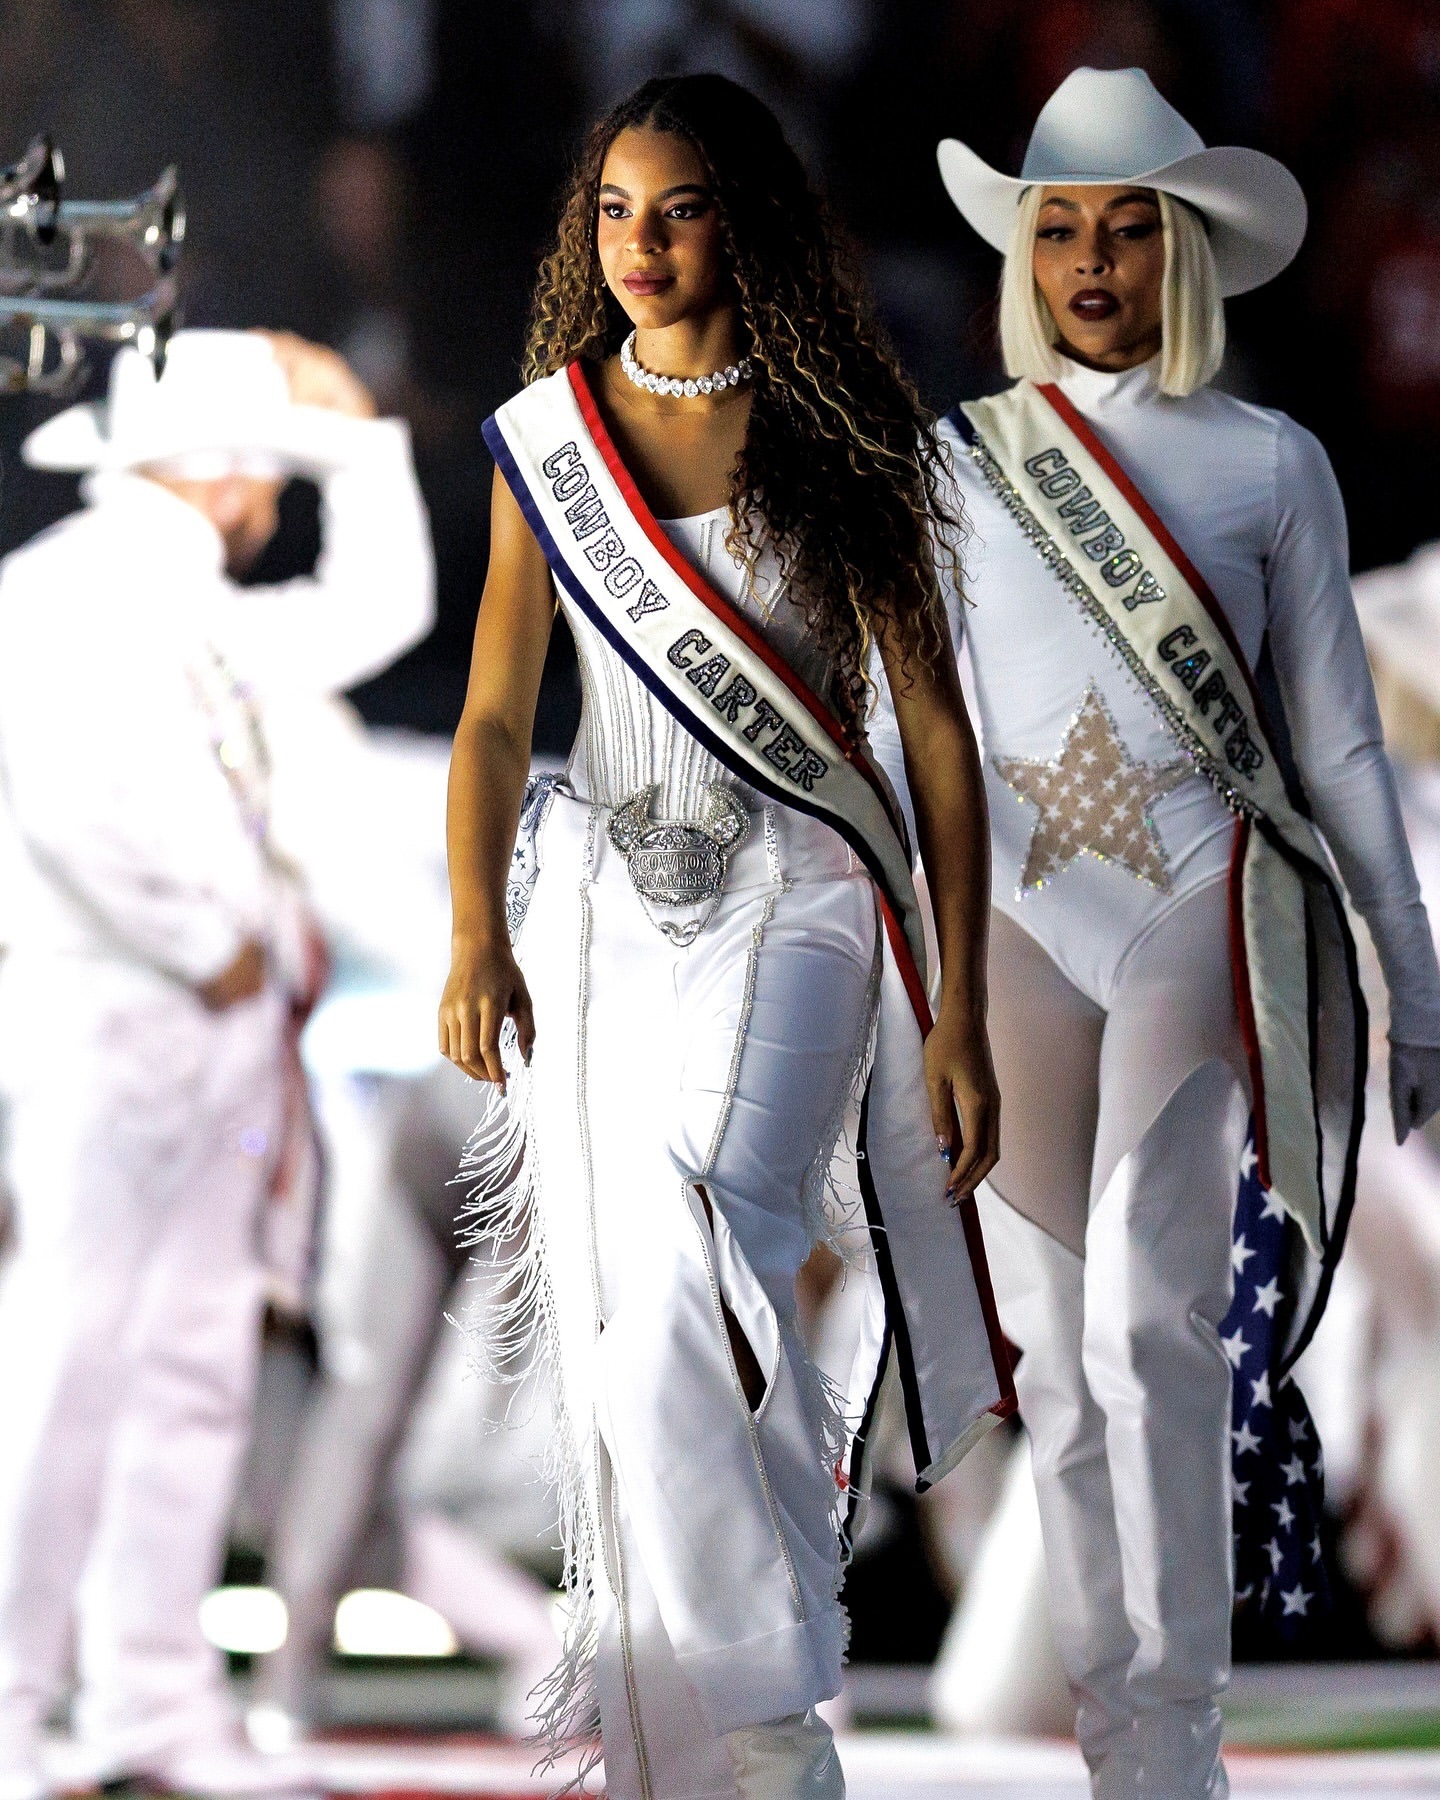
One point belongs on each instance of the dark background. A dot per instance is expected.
(383, 174)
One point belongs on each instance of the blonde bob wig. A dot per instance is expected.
(1192, 315)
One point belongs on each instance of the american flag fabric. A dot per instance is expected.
(1277, 1470)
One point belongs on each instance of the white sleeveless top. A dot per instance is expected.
(627, 740)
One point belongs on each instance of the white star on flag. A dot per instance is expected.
(1245, 1439)
(1240, 1254)
(1285, 1513)
(1273, 1207)
(1260, 1390)
(1276, 1554)
(1295, 1600)
(1293, 1471)
(1299, 1431)
(1317, 1549)
(1248, 1159)
(1235, 1347)
(1241, 1491)
(1267, 1298)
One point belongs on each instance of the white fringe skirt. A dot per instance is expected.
(703, 1540)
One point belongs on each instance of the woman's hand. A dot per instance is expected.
(484, 988)
(964, 1099)
(1414, 1086)
(489, 761)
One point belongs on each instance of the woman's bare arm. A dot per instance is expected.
(488, 767)
(942, 766)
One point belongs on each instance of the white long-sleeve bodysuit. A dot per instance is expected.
(142, 1129)
(1112, 1019)
(1252, 500)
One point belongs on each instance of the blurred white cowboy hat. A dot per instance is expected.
(222, 403)
(1399, 610)
(1108, 127)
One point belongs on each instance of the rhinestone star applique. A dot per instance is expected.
(1093, 800)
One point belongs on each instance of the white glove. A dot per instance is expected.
(1414, 1086)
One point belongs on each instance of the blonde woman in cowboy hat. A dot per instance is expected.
(1142, 547)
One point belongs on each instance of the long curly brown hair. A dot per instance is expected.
(842, 472)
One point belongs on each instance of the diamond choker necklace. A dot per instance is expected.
(680, 386)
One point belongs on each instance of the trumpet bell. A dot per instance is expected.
(69, 270)
(43, 341)
(152, 223)
(30, 189)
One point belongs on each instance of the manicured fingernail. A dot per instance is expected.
(943, 1150)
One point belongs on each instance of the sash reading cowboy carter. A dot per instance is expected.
(708, 666)
(1301, 1014)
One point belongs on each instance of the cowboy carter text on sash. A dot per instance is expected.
(1079, 512)
(605, 551)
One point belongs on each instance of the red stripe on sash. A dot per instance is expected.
(707, 596)
(905, 962)
(1002, 1352)
(899, 943)
(1239, 960)
(1158, 529)
(686, 570)
(1244, 997)
(736, 621)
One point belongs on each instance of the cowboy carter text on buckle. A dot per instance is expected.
(678, 868)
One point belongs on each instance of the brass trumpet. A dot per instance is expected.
(61, 262)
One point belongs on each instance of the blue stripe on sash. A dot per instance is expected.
(717, 746)
(962, 425)
(897, 1332)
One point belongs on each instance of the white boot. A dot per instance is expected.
(789, 1759)
(1179, 1746)
(24, 1781)
(226, 1768)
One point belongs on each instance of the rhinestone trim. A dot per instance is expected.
(1052, 554)
(678, 386)
(678, 865)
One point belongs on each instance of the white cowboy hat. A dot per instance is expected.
(1107, 127)
(1399, 609)
(222, 396)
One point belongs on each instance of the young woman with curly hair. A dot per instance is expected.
(703, 952)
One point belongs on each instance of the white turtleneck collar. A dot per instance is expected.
(1095, 390)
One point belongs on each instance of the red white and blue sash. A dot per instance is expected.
(717, 676)
(1302, 1015)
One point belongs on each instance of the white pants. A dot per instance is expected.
(1114, 1293)
(141, 1131)
(663, 1079)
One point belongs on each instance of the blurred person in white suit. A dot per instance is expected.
(363, 815)
(159, 952)
(1371, 1374)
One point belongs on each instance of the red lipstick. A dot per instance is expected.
(1093, 304)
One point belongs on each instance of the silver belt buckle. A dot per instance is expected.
(676, 867)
